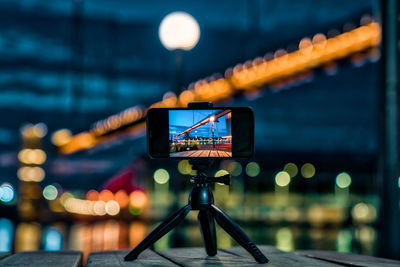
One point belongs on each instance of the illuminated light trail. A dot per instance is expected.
(318, 52)
(309, 56)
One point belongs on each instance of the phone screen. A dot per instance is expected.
(200, 133)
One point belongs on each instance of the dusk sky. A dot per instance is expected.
(180, 120)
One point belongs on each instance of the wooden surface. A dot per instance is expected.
(349, 259)
(116, 258)
(236, 256)
(43, 259)
(189, 257)
(202, 153)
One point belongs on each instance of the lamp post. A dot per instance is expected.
(212, 119)
(179, 31)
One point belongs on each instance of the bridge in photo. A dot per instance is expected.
(208, 119)
(214, 150)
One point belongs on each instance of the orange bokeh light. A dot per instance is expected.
(106, 195)
(138, 199)
(122, 198)
(92, 195)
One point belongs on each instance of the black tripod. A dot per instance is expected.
(202, 199)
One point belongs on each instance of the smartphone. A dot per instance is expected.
(200, 133)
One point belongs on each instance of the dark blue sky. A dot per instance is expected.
(180, 120)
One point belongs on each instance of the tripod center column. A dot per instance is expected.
(201, 197)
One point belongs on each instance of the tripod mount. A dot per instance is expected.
(202, 199)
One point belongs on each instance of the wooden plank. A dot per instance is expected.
(198, 257)
(44, 259)
(280, 258)
(204, 153)
(190, 153)
(214, 154)
(111, 258)
(237, 256)
(348, 259)
(197, 153)
(225, 154)
(222, 154)
(183, 154)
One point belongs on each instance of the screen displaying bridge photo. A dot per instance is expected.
(200, 133)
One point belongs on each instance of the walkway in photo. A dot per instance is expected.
(202, 153)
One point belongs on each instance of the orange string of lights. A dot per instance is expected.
(312, 53)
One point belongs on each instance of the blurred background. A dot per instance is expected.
(76, 79)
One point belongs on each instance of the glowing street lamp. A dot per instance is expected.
(212, 119)
(179, 31)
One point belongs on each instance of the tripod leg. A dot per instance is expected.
(207, 226)
(234, 231)
(161, 230)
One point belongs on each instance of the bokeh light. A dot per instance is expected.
(364, 213)
(99, 208)
(291, 169)
(7, 193)
(234, 168)
(138, 199)
(252, 169)
(343, 180)
(61, 137)
(40, 130)
(308, 170)
(122, 198)
(282, 178)
(31, 174)
(27, 236)
(31, 131)
(65, 196)
(92, 195)
(292, 214)
(32, 156)
(112, 207)
(305, 45)
(80, 206)
(179, 30)
(284, 239)
(366, 234)
(50, 192)
(135, 211)
(161, 176)
(106, 195)
(184, 167)
(52, 240)
(319, 40)
(220, 173)
(6, 234)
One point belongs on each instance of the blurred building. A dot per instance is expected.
(77, 77)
